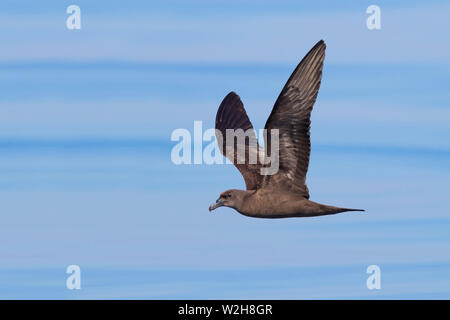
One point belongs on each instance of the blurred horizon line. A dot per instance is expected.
(136, 142)
(127, 62)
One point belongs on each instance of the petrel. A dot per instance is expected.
(282, 194)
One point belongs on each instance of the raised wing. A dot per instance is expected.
(291, 116)
(243, 151)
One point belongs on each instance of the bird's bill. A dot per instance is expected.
(219, 203)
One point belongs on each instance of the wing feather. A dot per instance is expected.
(291, 116)
(231, 115)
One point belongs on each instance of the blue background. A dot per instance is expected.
(86, 176)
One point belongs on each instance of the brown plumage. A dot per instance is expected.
(283, 194)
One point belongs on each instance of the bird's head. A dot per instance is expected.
(231, 198)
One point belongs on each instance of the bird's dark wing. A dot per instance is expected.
(245, 150)
(291, 116)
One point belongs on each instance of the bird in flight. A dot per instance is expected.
(282, 194)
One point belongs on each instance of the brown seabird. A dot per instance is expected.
(283, 194)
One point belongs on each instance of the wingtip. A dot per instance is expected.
(320, 46)
(231, 94)
(321, 43)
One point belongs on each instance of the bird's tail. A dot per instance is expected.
(333, 210)
(323, 209)
(347, 209)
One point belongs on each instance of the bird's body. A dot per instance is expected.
(269, 203)
(283, 193)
